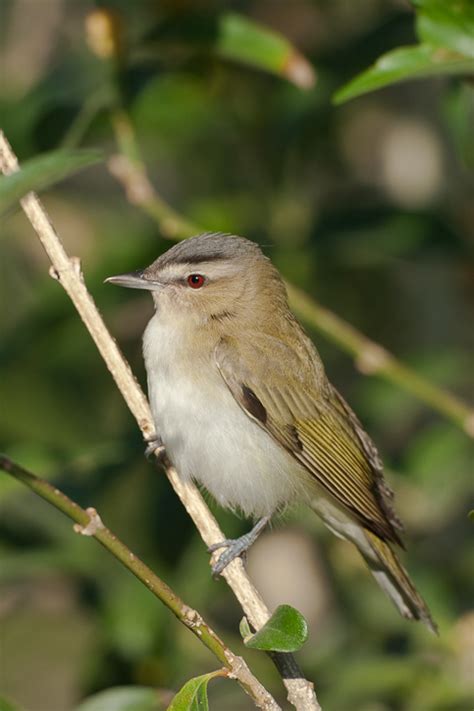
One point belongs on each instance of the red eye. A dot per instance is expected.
(195, 281)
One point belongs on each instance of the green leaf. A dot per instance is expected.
(442, 23)
(6, 705)
(243, 40)
(404, 63)
(193, 695)
(123, 698)
(41, 172)
(458, 112)
(471, 515)
(285, 631)
(244, 629)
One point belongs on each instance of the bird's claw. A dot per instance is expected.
(155, 447)
(225, 543)
(234, 548)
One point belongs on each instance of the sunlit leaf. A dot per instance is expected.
(447, 24)
(193, 695)
(41, 172)
(123, 698)
(285, 631)
(246, 41)
(404, 63)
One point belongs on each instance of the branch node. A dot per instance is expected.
(94, 525)
(76, 267)
(148, 430)
(372, 359)
(53, 273)
(192, 617)
(237, 665)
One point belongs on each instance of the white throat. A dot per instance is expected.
(208, 437)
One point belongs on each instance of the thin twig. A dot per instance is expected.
(89, 523)
(68, 272)
(370, 358)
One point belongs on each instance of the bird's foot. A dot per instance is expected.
(236, 547)
(154, 447)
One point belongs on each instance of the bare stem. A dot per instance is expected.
(130, 171)
(89, 523)
(68, 272)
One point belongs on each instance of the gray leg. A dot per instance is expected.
(235, 547)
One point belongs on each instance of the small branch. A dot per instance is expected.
(91, 107)
(131, 173)
(89, 523)
(67, 271)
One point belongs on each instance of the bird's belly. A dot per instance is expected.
(209, 438)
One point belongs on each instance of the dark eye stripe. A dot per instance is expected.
(198, 259)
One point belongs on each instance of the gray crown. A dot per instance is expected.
(209, 247)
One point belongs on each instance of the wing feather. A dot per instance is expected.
(312, 422)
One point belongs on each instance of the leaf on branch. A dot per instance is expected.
(404, 63)
(447, 24)
(446, 34)
(244, 629)
(42, 172)
(122, 698)
(193, 695)
(248, 42)
(285, 631)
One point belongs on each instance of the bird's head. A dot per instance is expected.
(210, 277)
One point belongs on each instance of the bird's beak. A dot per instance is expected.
(134, 280)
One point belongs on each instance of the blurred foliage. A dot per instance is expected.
(40, 173)
(127, 698)
(5, 705)
(368, 206)
(446, 33)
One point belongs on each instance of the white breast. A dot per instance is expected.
(208, 437)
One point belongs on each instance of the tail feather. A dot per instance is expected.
(394, 580)
(381, 559)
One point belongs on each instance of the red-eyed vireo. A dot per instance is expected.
(243, 406)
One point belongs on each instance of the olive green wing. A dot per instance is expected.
(312, 422)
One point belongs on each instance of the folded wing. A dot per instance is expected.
(312, 422)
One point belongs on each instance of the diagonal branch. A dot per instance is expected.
(89, 523)
(68, 272)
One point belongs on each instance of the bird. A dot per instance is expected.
(243, 406)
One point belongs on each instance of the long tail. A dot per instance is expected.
(379, 556)
(394, 580)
